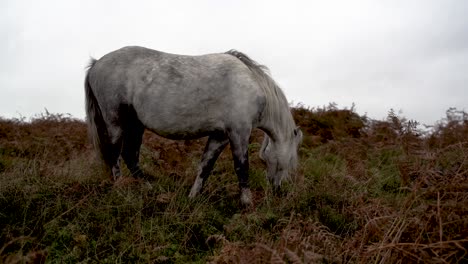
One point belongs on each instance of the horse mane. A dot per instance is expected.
(276, 102)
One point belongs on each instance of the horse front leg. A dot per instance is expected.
(239, 146)
(215, 145)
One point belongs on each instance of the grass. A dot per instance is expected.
(366, 191)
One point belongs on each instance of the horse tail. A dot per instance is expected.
(97, 130)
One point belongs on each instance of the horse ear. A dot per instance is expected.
(298, 135)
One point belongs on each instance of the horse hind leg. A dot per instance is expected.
(132, 138)
(214, 147)
(111, 151)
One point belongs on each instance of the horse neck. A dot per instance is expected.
(279, 126)
(277, 120)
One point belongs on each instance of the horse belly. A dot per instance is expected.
(178, 122)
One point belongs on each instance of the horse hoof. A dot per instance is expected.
(192, 194)
(196, 188)
(138, 174)
(277, 191)
(246, 197)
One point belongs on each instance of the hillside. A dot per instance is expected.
(365, 191)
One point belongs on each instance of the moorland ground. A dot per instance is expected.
(366, 191)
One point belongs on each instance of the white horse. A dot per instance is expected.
(222, 96)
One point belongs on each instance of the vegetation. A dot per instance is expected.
(366, 191)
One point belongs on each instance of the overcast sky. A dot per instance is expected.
(406, 55)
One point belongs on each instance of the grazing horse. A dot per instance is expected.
(222, 96)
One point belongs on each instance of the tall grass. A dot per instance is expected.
(366, 191)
